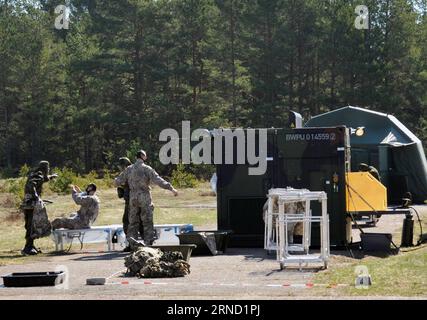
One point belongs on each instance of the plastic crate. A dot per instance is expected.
(185, 249)
(34, 279)
(195, 237)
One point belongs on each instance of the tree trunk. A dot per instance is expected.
(233, 63)
(195, 75)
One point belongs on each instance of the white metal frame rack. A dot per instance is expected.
(280, 223)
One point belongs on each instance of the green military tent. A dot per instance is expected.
(387, 145)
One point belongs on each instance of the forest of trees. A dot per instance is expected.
(126, 69)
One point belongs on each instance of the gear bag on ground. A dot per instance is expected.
(153, 263)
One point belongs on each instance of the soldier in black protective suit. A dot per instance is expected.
(33, 190)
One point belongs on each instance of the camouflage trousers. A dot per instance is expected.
(125, 221)
(141, 211)
(28, 223)
(69, 223)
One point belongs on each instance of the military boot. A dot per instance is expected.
(29, 249)
(135, 244)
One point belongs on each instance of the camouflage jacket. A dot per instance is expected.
(89, 207)
(139, 177)
(33, 189)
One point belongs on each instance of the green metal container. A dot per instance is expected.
(310, 158)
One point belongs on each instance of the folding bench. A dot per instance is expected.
(106, 234)
(95, 234)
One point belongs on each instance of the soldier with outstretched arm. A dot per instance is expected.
(124, 193)
(33, 190)
(139, 177)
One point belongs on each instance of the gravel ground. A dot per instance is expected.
(242, 273)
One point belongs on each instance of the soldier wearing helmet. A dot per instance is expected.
(140, 177)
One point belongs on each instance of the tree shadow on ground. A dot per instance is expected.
(89, 256)
(288, 270)
(10, 256)
(253, 254)
(103, 257)
(259, 254)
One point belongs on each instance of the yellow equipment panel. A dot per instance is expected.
(365, 193)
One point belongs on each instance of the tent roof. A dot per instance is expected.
(380, 128)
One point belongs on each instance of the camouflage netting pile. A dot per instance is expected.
(153, 263)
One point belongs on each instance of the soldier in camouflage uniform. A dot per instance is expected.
(123, 192)
(32, 202)
(87, 214)
(139, 177)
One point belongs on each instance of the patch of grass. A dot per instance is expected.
(15, 257)
(8, 200)
(16, 186)
(167, 208)
(13, 217)
(402, 275)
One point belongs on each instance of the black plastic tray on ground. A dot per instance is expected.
(195, 237)
(33, 279)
